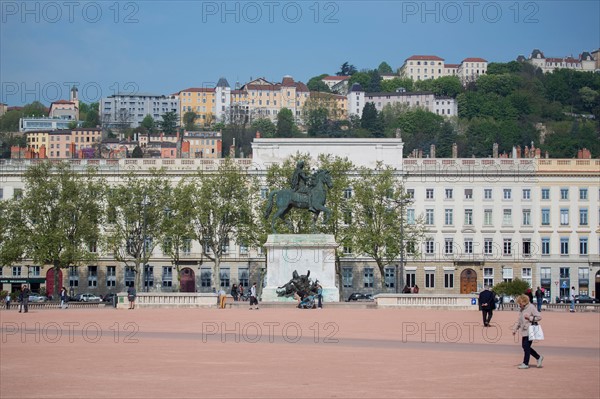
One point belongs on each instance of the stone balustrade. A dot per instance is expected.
(169, 300)
(427, 301)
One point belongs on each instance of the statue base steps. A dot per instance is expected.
(304, 253)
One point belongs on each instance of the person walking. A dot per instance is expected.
(63, 298)
(320, 296)
(24, 296)
(234, 292)
(487, 305)
(572, 298)
(7, 300)
(527, 314)
(222, 298)
(253, 297)
(539, 298)
(131, 294)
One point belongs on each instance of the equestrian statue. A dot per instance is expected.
(307, 192)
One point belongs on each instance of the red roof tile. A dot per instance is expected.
(198, 90)
(425, 57)
(62, 102)
(338, 78)
(474, 60)
(452, 65)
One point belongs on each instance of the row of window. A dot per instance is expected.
(507, 193)
(507, 217)
(489, 247)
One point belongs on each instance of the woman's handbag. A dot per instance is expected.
(535, 332)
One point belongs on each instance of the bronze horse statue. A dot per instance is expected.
(287, 199)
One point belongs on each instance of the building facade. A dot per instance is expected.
(423, 67)
(488, 220)
(121, 111)
(63, 144)
(200, 101)
(584, 62)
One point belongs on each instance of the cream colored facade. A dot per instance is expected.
(584, 62)
(201, 101)
(488, 220)
(423, 67)
(63, 144)
(336, 105)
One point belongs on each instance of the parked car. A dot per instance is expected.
(585, 299)
(88, 298)
(357, 296)
(37, 298)
(544, 300)
(109, 297)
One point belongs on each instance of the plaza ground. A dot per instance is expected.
(291, 353)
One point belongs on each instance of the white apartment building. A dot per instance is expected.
(423, 67)
(584, 62)
(440, 105)
(488, 220)
(129, 110)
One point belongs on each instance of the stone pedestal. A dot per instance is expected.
(300, 252)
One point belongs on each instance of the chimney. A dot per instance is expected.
(432, 151)
(495, 150)
(42, 153)
(454, 150)
(579, 154)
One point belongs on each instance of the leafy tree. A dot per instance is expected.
(362, 78)
(444, 86)
(73, 125)
(149, 124)
(514, 287)
(588, 97)
(169, 122)
(316, 84)
(177, 228)
(189, 119)
(286, 126)
(223, 206)
(137, 152)
(36, 108)
(502, 85)
(391, 85)
(378, 218)
(7, 140)
(370, 120)
(12, 234)
(135, 213)
(92, 119)
(60, 214)
(265, 127)
(384, 67)
(346, 70)
(340, 169)
(317, 122)
(499, 68)
(9, 122)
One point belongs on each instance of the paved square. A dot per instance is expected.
(290, 353)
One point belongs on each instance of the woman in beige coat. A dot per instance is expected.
(527, 315)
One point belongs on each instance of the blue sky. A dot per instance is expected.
(162, 47)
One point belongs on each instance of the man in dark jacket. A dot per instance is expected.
(487, 305)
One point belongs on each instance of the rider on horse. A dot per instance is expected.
(301, 183)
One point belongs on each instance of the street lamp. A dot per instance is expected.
(401, 203)
(145, 203)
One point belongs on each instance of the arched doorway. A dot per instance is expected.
(468, 281)
(187, 280)
(50, 281)
(598, 285)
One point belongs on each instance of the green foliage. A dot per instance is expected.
(371, 120)
(36, 108)
(346, 69)
(498, 68)
(265, 127)
(149, 124)
(9, 122)
(378, 217)
(135, 212)
(223, 206)
(384, 67)
(391, 85)
(449, 86)
(169, 122)
(137, 152)
(286, 127)
(189, 119)
(514, 287)
(59, 214)
(316, 84)
(362, 78)
(8, 140)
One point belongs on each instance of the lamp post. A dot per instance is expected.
(145, 203)
(401, 203)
